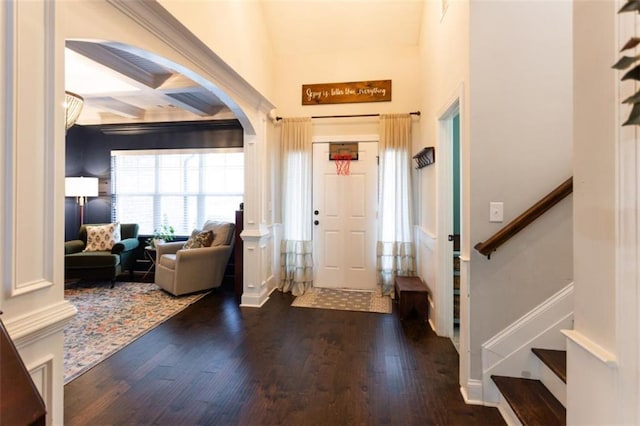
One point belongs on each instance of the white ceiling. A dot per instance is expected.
(119, 86)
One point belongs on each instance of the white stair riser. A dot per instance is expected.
(556, 386)
(507, 413)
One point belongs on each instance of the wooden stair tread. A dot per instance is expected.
(555, 360)
(531, 401)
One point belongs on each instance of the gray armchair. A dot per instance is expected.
(182, 271)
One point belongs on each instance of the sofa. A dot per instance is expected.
(101, 261)
(197, 265)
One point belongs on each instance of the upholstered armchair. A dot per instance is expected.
(199, 266)
(97, 262)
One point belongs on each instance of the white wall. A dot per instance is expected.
(444, 51)
(520, 141)
(236, 31)
(594, 169)
(605, 340)
(401, 66)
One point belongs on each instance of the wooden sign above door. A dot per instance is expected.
(344, 93)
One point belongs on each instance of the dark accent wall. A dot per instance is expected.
(88, 153)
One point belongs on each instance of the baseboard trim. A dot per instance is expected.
(255, 300)
(472, 393)
(554, 308)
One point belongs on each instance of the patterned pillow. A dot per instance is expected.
(199, 239)
(102, 237)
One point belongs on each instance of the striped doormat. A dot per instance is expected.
(344, 300)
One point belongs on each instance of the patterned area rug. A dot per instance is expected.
(344, 300)
(108, 319)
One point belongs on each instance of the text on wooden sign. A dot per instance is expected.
(342, 93)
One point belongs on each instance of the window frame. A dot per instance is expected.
(202, 196)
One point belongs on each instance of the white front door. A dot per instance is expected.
(345, 211)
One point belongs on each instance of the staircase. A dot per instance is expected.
(528, 384)
(525, 365)
(536, 402)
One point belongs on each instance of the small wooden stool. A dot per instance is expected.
(412, 294)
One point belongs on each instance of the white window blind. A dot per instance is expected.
(181, 188)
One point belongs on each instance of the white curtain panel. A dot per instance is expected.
(395, 249)
(296, 259)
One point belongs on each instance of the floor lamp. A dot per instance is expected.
(81, 188)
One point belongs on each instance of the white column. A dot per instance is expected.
(32, 193)
(257, 235)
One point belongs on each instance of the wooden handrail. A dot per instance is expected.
(522, 221)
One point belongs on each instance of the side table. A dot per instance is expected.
(150, 253)
(412, 294)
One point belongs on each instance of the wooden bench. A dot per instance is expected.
(412, 294)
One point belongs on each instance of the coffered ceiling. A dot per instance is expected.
(118, 86)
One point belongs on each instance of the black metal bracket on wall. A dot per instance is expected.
(425, 157)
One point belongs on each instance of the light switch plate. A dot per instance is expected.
(496, 211)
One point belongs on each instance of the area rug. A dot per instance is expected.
(108, 319)
(344, 300)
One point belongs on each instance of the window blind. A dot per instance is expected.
(181, 188)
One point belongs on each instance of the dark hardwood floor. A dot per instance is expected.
(216, 363)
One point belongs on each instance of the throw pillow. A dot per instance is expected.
(199, 239)
(223, 232)
(102, 237)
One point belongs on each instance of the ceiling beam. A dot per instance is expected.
(194, 103)
(134, 67)
(117, 107)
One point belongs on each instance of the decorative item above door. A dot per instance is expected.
(345, 93)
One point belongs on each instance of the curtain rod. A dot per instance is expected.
(350, 116)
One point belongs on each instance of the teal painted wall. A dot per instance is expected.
(456, 174)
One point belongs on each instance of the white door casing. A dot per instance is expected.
(345, 234)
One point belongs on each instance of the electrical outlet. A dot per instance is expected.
(496, 211)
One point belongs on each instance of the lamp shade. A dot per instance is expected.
(81, 186)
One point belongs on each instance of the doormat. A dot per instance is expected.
(344, 300)
(108, 319)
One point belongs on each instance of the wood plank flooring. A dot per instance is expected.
(218, 364)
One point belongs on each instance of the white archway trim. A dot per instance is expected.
(229, 86)
(251, 108)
